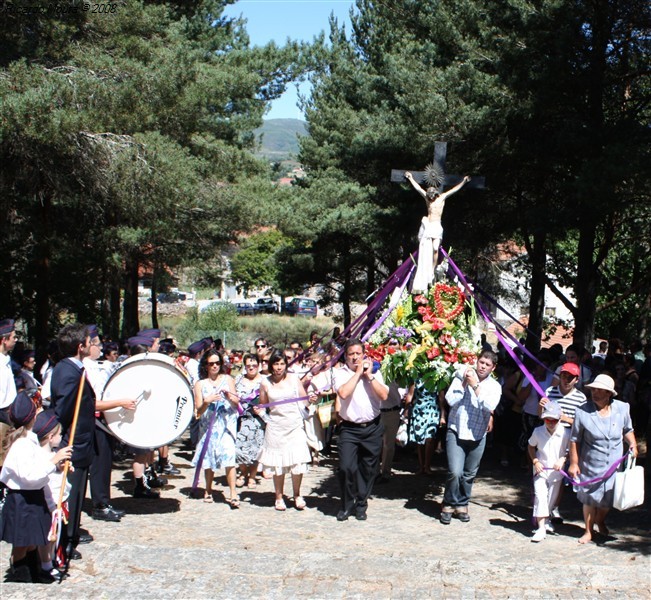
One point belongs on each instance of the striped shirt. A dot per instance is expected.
(568, 403)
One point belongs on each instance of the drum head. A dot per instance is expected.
(165, 402)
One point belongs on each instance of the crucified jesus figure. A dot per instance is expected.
(431, 232)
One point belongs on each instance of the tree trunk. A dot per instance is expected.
(585, 289)
(130, 324)
(114, 311)
(538, 258)
(154, 300)
(344, 297)
(42, 304)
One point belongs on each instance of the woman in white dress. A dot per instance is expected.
(285, 449)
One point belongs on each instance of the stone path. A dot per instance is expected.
(179, 547)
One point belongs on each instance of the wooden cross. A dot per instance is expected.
(448, 181)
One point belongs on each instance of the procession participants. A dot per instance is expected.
(261, 347)
(424, 419)
(7, 383)
(100, 469)
(195, 351)
(600, 427)
(74, 345)
(390, 416)
(26, 516)
(573, 355)
(548, 447)
(472, 397)
(27, 371)
(110, 352)
(144, 474)
(361, 393)
(216, 400)
(312, 382)
(250, 435)
(153, 335)
(565, 393)
(285, 448)
(530, 417)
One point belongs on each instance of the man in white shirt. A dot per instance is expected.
(472, 396)
(7, 383)
(360, 395)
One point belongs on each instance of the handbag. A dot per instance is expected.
(629, 486)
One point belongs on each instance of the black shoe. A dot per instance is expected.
(464, 517)
(85, 537)
(75, 554)
(19, 572)
(446, 518)
(105, 513)
(155, 481)
(343, 515)
(360, 514)
(145, 492)
(117, 511)
(51, 576)
(168, 468)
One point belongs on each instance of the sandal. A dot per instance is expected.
(207, 497)
(280, 505)
(234, 503)
(299, 503)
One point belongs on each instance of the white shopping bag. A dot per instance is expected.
(629, 486)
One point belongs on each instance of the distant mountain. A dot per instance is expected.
(279, 138)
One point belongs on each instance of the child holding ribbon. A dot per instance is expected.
(548, 448)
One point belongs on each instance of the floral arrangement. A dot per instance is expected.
(425, 338)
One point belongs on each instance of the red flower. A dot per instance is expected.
(432, 353)
(420, 299)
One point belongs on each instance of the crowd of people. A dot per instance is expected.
(273, 412)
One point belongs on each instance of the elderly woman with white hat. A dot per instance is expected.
(600, 427)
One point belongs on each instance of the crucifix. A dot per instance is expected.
(431, 230)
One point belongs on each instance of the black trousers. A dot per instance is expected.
(100, 468)
(78, 480)
(360, 449)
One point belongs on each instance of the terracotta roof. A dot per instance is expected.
(562, 335)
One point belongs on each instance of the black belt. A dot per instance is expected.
(390, 409)
(367, 424)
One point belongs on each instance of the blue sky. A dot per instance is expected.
(281, 19)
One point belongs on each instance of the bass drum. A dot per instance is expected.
(164, 398)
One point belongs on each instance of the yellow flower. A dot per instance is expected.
(414, 354)
(426, 326)
(400, 315)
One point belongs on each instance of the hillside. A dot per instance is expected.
(279, 138)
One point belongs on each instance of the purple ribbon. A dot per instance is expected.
(484, 314)
(603, 477)
(391, 306)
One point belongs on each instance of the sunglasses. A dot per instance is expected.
(261, 345)
(212, 363)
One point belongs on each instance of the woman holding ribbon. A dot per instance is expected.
(285, 448)
(216, 403)
(600, 427)
(252, 422)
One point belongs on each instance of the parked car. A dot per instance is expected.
(304, 307)
(245, 308)
(266, 305)
(170, 297)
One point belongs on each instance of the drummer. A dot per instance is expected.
(100, 469)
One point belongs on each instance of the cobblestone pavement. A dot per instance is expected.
(180, 547)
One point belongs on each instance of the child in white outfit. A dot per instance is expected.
(548, 448)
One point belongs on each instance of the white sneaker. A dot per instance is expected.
(549, 527)
(539, 535)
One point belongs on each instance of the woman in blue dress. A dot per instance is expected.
(424, 419)
(600, 427)
(216, 402)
